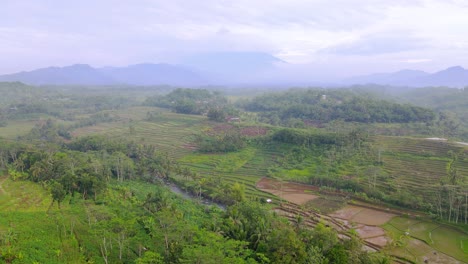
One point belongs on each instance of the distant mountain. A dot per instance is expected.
(78, 74)
(233, 67)
(454, 77)
(83, 74)
(151, 74)
(451, 77)
(204, 69)
(395, 78)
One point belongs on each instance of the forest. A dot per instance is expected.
(87, 175)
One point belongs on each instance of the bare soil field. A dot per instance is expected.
(366, 231)
(363, 215)
(367, 222)
(292, 192)
(365, 219)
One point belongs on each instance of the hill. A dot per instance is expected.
(78, 74)
(455, 76)
(202, 69)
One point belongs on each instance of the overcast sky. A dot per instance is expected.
(343, 36)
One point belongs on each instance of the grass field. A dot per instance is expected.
(16, 128)
(36, 228)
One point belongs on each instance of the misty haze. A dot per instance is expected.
(217, 131)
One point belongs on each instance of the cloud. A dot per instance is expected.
(415, 60)
(382, 43)
(117, 32)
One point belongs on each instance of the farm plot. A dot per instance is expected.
(366, 222)
(246, 166)
(16, 128)
(436, 236)
(363, 215)
(291, 192)
(170, 133)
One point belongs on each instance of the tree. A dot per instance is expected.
(150, 257)
(238, 192)
(216, 114)
(58, 193)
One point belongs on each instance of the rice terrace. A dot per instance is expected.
(294, 176)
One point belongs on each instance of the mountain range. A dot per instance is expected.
(224, 68)
(455, 76)
(205, 69)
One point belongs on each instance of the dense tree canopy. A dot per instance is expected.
(189, 101)
(326, 105)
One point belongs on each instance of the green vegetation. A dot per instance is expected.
(106, 214)
(450, 103)
(90, 168)
(444, 238)
(322, 106)
(188, 101)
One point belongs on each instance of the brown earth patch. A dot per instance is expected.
(296, 198)
(367, 222)
(380, 241)
(366, 231)
(254, 131)
(219, 129)
(347, 213)
(363, 215)
(292, 192)
(190, 146)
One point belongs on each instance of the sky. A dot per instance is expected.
(328, 37)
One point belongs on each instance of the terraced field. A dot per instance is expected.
(173, 133)
(413, 165)
(252, 165)
(170, 132)
(418, 165)
(440, 237)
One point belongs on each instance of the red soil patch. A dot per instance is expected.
(254, 131)
(292, 192)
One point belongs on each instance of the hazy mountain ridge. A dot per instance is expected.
(205, 69)
(150, 74)
(455, 76)
(77, 74)
(227, 68)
